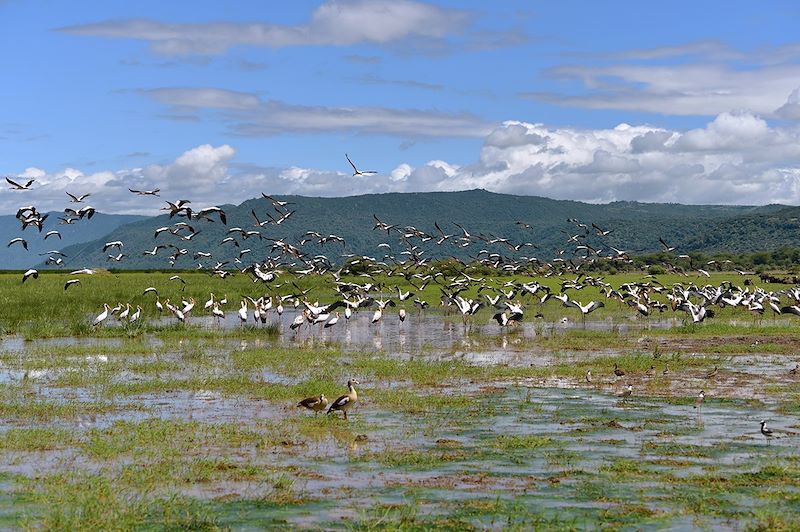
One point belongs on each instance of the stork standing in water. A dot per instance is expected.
(378, 314)
(243, 312)
(100, 318)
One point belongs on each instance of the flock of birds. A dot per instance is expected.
(379, 281)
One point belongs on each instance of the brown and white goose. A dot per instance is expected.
(345, 402)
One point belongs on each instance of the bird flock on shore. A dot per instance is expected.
(377, 282)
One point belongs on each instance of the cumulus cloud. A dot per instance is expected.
(246, 114)
(335, 22)
(737, 158)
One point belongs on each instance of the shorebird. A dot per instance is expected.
(628, 391)
(588, 375)
(356, 171)
(315, 404)
(700, 398)
(711, 374)
(618, 372)
(345, 402)
(765, 431)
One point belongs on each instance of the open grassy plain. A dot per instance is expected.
(159, 424)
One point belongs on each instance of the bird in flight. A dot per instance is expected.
(26, 186)
(154, 192)
(356, 171)
(74, 198)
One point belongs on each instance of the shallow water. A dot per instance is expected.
(445, 460)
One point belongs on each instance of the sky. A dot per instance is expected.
(216, 102)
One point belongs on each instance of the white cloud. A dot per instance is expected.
(703, 79)
(737, 158)
(248, 115)
(335, 22)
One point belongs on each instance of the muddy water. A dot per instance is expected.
(585, 429)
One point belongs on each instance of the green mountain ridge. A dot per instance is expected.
(636, 227)
(16, 257)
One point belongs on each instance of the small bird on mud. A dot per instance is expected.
(765, 431)
(618, 372)
(700, 398)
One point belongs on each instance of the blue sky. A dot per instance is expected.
(232, 99)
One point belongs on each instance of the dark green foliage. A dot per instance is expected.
(636, 228)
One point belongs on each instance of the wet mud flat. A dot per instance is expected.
(487, 430)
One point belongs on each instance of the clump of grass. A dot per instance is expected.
(527, 442)
(36, 439)
(42, 411)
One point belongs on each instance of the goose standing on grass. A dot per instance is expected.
(345, 402)
(315, 404)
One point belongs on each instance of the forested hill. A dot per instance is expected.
(636, 227)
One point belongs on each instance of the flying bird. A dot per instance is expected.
(356, 171)
(77, 199)
(154, 192)
(18, 186)
(20, 240)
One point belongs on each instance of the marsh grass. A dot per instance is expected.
(31, 439)
(156, 437)
(84, 501)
